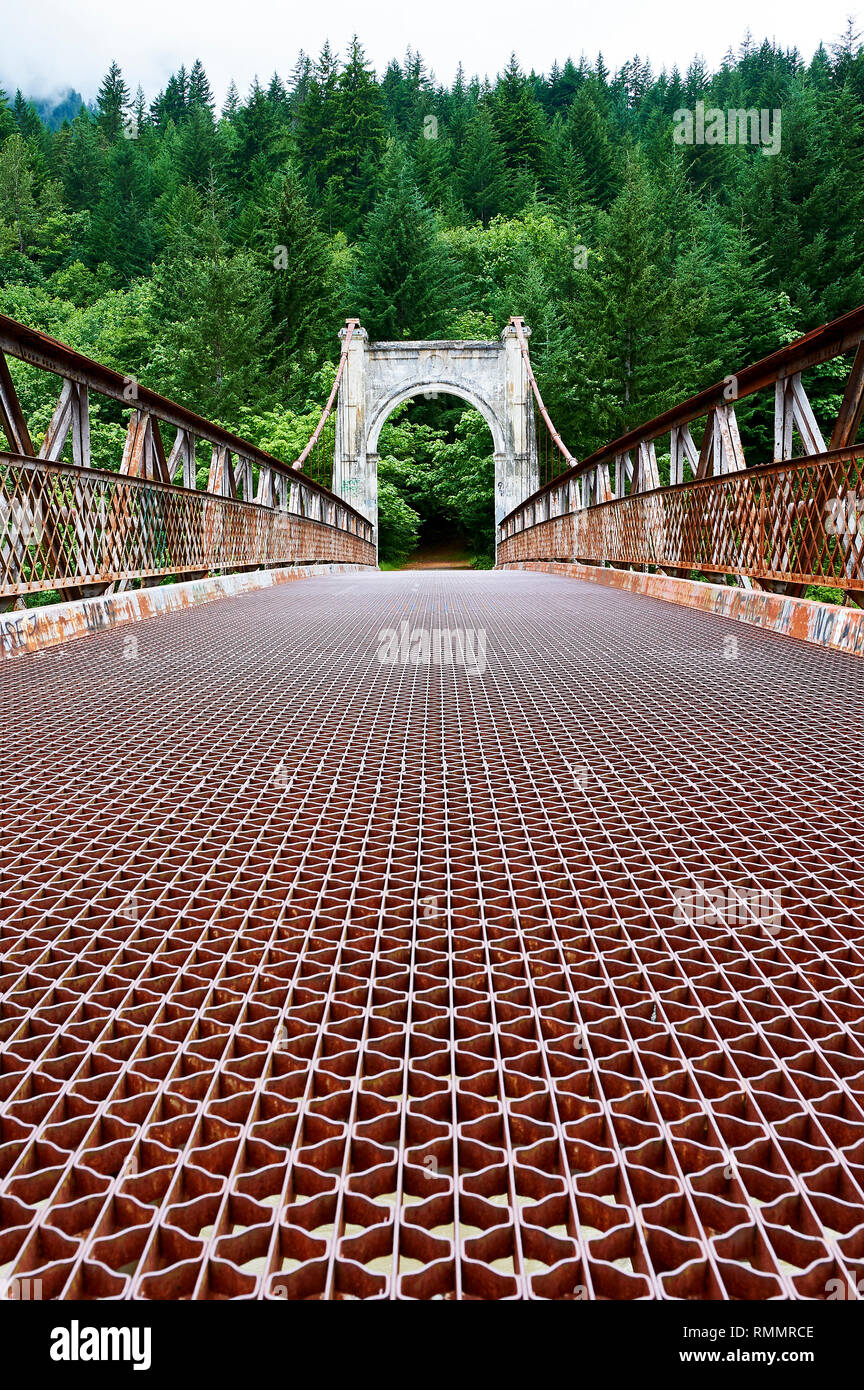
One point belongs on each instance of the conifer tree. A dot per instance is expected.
(519, 122)
(357, 140)
(138, 120)
(588, 133)
(121, 226)
(302, 279)
(232, 101)
(630, 301)
(406, 284)
(17, 200)
(112, 103)
(81, 170)
(7, 120)
(196, 147)
(315, 116)
(26, 118)
(301, 76)
(209, 313)
(482, 181)
(200, 94)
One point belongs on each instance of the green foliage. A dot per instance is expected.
(482, 179)
(112, 102)
(213, 256)
(822, 594)
(398, 524)
(281, 430)
(303, 289)
(405, 284)
(445, 472)
(466, 480)
(212, 307)
(18, 211)
(356, 142)
(522, 130)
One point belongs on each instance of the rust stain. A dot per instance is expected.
(805, 620)
(37, 629)
(325, 983)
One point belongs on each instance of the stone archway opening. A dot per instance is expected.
(434, 456)
(488, 374)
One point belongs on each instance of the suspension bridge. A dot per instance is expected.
(431, 935)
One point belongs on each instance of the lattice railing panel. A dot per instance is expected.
(798, 521)
(63, 527)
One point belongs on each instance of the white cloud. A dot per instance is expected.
(47, 45)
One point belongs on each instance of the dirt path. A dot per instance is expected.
(440, 555)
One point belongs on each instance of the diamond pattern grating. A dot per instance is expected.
(322, 977)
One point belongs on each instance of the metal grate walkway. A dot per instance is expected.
(534, 974)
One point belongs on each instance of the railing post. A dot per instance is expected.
(183, 454)
(12, 420)
(782, 421)
(851, 410)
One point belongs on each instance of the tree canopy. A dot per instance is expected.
(214, 253)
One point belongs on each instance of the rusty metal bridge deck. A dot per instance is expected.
(539, 974)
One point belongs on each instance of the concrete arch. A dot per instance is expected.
(487, 374)
(443, 388)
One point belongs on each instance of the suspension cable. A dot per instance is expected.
(350, 325)
(519, 326)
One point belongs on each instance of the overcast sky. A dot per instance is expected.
(49, 45)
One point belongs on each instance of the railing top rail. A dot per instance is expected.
(819, 345)
(65, 470)
(719, 480)
(39, 350)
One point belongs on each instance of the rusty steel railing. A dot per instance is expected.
(70, 527)
(783, 525)
(63, 527)
(789, 522)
